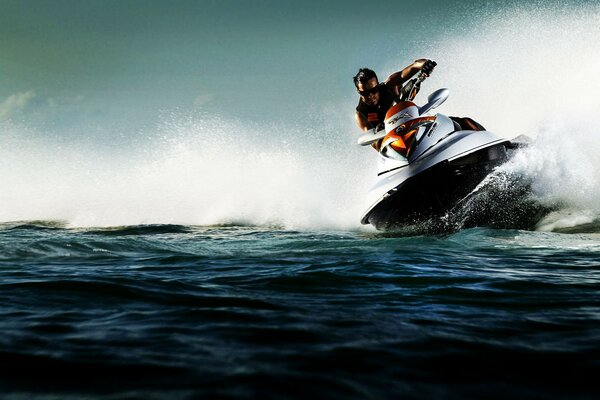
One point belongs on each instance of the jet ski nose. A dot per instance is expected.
(399, 114)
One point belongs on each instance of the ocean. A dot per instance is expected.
(173, 311)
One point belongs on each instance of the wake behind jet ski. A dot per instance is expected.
(426, 163)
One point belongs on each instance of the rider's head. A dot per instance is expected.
(367, 86)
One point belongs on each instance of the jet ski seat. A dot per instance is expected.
(468, 124)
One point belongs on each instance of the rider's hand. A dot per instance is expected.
(428, 67)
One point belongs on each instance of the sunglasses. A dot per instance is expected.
(367, 92)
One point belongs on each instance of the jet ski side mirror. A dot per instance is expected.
(434, 100)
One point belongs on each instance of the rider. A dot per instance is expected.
(376, 98)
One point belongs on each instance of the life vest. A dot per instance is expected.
(376, 114)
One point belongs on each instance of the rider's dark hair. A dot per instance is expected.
(364, 75)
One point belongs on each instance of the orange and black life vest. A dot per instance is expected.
(376, 114)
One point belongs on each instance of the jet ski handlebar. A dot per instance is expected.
(409, 91)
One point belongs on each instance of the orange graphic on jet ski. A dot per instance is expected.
(401, 125)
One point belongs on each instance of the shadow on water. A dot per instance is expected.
(140, 230)
(33, 225)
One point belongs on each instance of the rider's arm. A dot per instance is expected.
(395, 80)
(361, 122)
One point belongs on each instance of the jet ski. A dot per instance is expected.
(426, 163)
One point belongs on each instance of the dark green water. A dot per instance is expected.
(252, 312)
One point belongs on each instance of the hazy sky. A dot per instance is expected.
(133, 58)
(75, 62)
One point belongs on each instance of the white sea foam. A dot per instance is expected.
(205, 171)
(515, 69)
(531, 70)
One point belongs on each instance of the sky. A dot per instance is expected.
(78, 60)
(73, 65)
